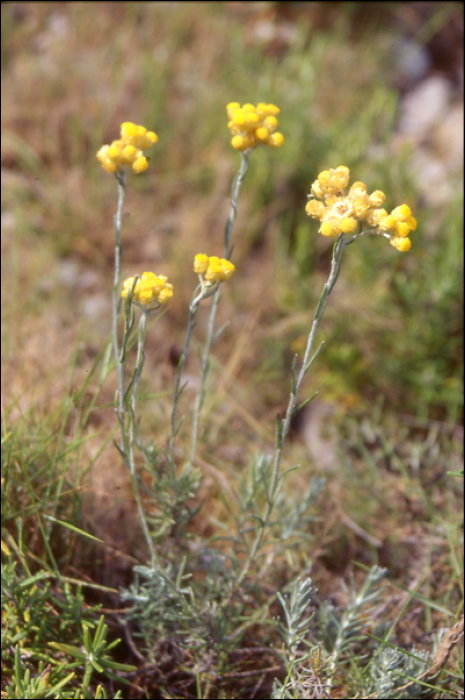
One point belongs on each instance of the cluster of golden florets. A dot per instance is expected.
(127, 152)
(213, 269)
(150, 290)
(341, 213)
(252, 126)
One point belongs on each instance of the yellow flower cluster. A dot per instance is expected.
(213, 269)
(252, 126)
(127, 152)
(340, 213)
(150, 290)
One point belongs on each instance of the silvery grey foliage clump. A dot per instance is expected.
(296, 627)
(341, 633)
(300, 682)
(391, 669)
(295, 512)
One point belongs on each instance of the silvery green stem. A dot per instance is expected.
(205, 291)
(234, 197)
(133, 430)
(139, 361)
(121, 178)
(203, 375)
(283, 429)
(121, 413)
(128, 433)
(238, 180)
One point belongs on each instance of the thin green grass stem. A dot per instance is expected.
(283, 429)
(236, 186)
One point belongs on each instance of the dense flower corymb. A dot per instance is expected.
(252, 126)
(150, 290)
(127, 152)
(341, 213)
(213, 269)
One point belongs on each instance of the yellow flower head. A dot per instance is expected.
(330, 181)
(252, 126)
(316, 209)
(340, 213)
(150, 290)
(399, 222)
(402, 244)
(201, 263)
(127, 152)
(213, 269)
(138, 136)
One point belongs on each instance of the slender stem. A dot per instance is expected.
(121, 363)
(128, 433)
(121, 178)
(203, 375)
(238, 180)
(234, 197)
(116, 305)
(139, 361)
(291, 409)
(200, 293)
(133, 432)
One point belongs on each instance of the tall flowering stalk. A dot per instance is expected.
(120, 157)
(250, 126)
(147, 291)
(340, 215)
(211, 272)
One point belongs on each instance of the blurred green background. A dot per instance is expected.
(342, 74)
